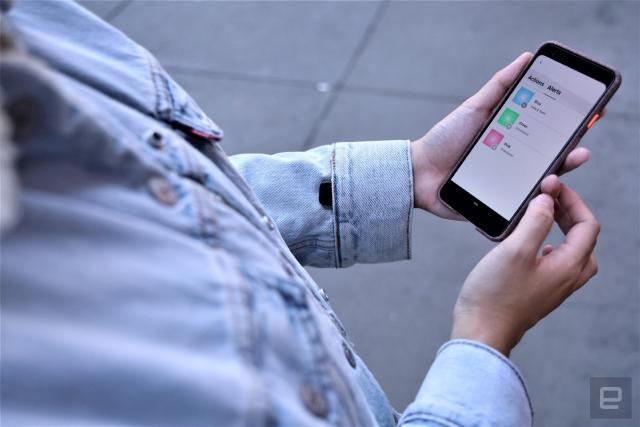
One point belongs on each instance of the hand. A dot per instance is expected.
(513, 287)
(435, 154)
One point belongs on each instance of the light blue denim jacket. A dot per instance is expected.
(151, 280)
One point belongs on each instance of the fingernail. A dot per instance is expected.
(544, 200)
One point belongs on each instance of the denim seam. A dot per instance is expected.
(243, 304)
(188, 163)
(336, 322)
(316, 239)
(314, 247)
(351, 402)
(327, 243)
(159, 85)
(427, 416)
(350, 218)
(210, 217)
(500, 357)
(312, 243)
(244, 332)
(319, 368)
(323, 357)
(152, 76)
(336, 209)
(411, 198)
(170, 156)
(199, 208)
(170, 95)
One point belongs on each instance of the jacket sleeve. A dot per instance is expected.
(370, 191)
(470, 384)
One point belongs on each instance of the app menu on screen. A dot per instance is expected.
(527, 134)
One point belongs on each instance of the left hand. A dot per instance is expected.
(517, 284)
(435, 154)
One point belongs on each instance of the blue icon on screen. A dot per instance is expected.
(523, 97)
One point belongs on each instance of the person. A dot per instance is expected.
(148, 279)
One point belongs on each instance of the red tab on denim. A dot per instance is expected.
(212, 136)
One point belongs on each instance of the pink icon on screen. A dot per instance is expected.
(493, 139)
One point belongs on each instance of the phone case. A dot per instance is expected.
(557, 164)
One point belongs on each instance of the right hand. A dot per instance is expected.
(513, 287)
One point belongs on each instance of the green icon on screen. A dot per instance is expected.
(508, 118)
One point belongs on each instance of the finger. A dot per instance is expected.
(571, 209)
(551, 185)
(491, 93)
(575, 159)
(577, 222)
(547, 249)
(589, 270)
(534, 226)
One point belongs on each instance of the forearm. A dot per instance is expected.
(368, 214)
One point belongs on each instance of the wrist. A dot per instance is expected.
(498, 334)
(424, 193)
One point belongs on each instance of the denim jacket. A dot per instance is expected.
(152, 280)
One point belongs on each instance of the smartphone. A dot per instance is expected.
(553, 102)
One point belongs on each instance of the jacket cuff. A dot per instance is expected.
(372, 185)
(471, 384)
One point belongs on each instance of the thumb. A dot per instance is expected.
(534, 225)
(491, 93)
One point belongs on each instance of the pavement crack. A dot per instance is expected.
(348, 69)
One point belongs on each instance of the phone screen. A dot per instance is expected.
(526, 135)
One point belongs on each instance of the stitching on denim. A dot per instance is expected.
(316, 248)
(312, 242)
(170, 157)
(159, 85)
(152, 75)
(188, 166)
(426, 416)
(311, 246)
(354, 220)
(318, 349)
(411, 198)
(199, 208)
(338, 324)
(170, 95)
(350, 402)
(210, 216)
(323, 358)
(500, 357)
(247, 340)
(336, 211)
(320, 369)
(316, 239)
(241, 311)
